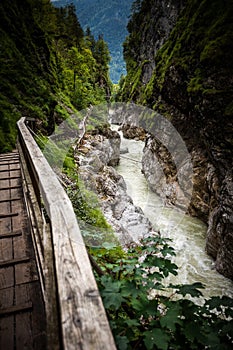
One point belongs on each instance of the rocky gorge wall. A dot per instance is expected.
(190, 82)
(96, 157)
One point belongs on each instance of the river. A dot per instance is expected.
(187, 233)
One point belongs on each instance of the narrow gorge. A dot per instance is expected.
(146, 164)
(178, 64)
(187, 233)
(135, 197)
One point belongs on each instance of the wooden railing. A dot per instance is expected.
(76, 318)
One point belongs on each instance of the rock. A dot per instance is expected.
(124, 150)
(190, 82)
(127, 220)
(219, 243)
(211, 183)
(133, 132)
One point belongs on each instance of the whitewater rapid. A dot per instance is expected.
(187, 233)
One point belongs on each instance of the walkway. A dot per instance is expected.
(22, 317)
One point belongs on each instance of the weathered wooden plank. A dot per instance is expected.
(25, 273)
(11, 234)
(10, 187)
(6, 250)
(5, 224)
(30, 327)
(7, 333)
(23, 326)
(6, 263)
(5, 207)
(18, 207)
(10, 177)
(6, 298)
(82, 315)
(7, 170)
(2, 216)
(5, 157)
(9, 155)
(37, 224)
(7, 277)
(9, 200)
(16, 312)
(4, 183)
(4, 194)
(14, 167)
(13, 162)
(7, 323)
(15, 309)
(7, 162)
(21, 246)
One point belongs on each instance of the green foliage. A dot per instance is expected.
(108, 19)
(94, 227)
(46, 69)
(198, 47)
(146, 314)
(196, 82)
(86, 206)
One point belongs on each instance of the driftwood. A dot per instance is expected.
(71, 295)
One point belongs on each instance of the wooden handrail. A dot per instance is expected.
(76, 316)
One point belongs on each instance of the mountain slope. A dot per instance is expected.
(108, 18)
(46, 66)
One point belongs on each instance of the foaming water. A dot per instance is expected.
(187, 233)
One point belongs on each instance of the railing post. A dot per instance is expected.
(70, 289)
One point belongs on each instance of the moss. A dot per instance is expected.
(61, 111)
(229, 109)
(8, 130)
(93, 225)
(214, 50)
(193, 65)
(135, 84)
(195, 85)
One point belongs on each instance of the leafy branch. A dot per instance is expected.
(144, 313)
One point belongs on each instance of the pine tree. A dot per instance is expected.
(74, 29)
(102, 56)
(90, 40)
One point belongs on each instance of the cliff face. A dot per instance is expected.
(179, 64)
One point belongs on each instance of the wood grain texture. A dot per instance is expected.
(22, 314)
(83, 320)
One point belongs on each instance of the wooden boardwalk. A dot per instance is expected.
(22, 315)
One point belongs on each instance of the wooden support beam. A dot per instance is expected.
(81, 314)
(4, 158)
(8, 215)
(10, 178)
(10, 200)
(15, 309)
(9, 163)
(11, 234)
(10, 187)
(8, 170)
(13, 262)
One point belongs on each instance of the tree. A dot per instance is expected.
(89, 39)
(102, 56)
(73, 26)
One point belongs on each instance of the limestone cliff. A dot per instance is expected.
(178, 57)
